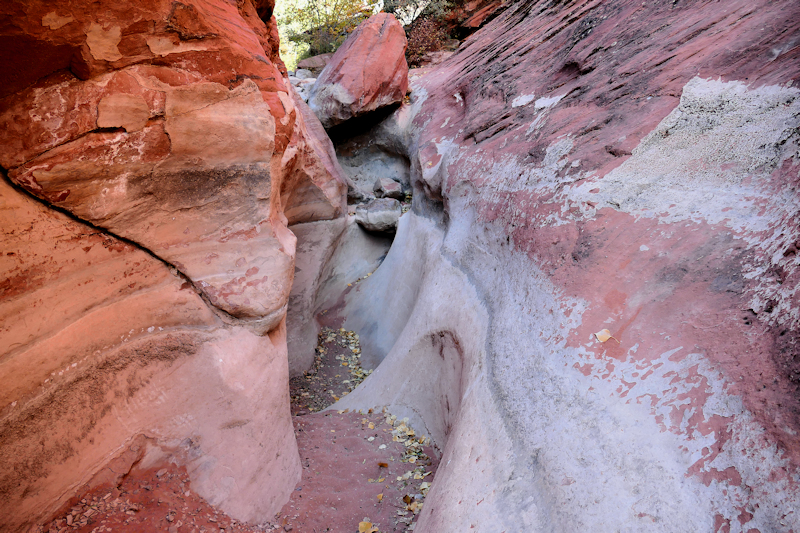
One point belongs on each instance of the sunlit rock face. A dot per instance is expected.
(589, 166)
(154, 158)
(171, 128)
(368, 72)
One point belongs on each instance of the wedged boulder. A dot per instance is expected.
(155, 312)
(368, 72)
(387, 188)
(302, 86)
(315, 63)
(380, 214)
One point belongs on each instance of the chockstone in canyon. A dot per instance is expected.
(549, 281)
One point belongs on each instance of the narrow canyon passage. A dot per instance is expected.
(548, 282)
(364, 469)
(358, 469)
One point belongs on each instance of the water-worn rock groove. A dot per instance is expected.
(590, 306)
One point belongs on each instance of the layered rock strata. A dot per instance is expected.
(594, 166)
(154, 160)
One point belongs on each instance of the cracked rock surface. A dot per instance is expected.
(153, 158)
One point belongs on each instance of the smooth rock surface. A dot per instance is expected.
(387, 188)
(587, 167)
(106, 351)
(315, 63)
(368, 72)
(358, 253)
(195, 175)
(381, 214)
(316, 242)
(153, 158)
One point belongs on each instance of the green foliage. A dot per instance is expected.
(311, 27)
(407, 11)
(291, 53)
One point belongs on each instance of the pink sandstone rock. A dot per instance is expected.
(146, 257)
(587, 166)
(480, 15)
(105, 349)
(368, 72)
(387, 188)
(315, 63)
(146, 140)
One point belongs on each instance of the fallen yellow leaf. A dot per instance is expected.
(366, 527)
(380, 497)
(603, 335)
(371, 425)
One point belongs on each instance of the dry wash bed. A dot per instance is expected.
(361, 472)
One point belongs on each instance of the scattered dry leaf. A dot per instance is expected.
(380, 497)
(383, 465)
(603, 335)
(366, 527)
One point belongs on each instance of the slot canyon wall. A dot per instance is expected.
(153, 159)
(576, 167)
(588, 166)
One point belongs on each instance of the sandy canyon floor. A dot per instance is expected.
(365, 472)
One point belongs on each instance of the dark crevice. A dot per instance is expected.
(187, 281)
(150, 120)
(359, 125)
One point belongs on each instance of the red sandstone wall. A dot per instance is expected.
(151, 150)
